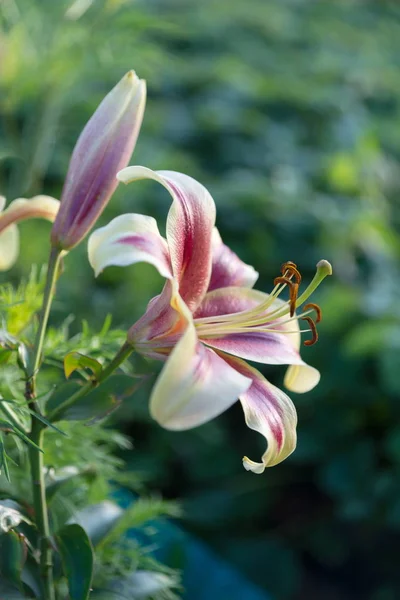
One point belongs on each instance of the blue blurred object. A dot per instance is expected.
(205, 576)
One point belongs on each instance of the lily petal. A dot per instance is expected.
(159, 328)
(126, 240)
(227, 268)
(268, 348)
(43, 207)
(189, 229)
(195, 384)
(39, 207)
(9, 247)
(269, 411)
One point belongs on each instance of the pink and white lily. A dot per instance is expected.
(207, 322)
(39, 207)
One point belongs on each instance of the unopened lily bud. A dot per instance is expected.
(103, 148)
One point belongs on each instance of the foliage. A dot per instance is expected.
(288, 111)
(84, 472)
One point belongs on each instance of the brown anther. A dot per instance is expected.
(317, 309)
(285, 280)
(314, 332)
(289, 269)
(293, 291)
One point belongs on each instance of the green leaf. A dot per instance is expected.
(46, 422)
(3, 460)
(13, 553)
(75, 360)
(98, 403)
(23, 358)
(77, 560)
(19, 433)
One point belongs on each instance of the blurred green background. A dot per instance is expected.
(289, 112)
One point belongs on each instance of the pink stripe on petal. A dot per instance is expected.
(227, 268)
(269, 411)
(229, 300)
(129, 239)
(195, 385)
(189, 229)
(267, 348)
(160, 327)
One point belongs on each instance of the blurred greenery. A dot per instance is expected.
(289, 112)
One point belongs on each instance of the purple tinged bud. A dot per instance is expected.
(103, 148)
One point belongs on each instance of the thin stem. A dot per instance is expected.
(52, 271)
(36, 435)
(41, 512)
(119, 358)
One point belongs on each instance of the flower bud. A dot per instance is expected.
(103, 148)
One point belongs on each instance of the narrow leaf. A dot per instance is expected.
(75, 360)
(77, 560)
(19, 433)
(46, 422)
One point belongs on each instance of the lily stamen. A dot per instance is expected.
(292, 270)
(317, 309)
(314, 331)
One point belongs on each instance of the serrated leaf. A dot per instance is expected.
(13, 553)
(77, 559)
(76, 360)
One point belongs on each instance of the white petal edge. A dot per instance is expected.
(126, 240)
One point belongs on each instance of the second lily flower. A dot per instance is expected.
(208, 321)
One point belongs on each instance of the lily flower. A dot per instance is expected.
(104, 147)
(43, 207)
(208, 321)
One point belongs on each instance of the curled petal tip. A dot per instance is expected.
(252, 466)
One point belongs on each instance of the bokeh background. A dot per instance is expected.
(289, 112)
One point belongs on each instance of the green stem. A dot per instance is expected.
(119, 358)
(52, 272)
(36, 435)
(41, 512)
